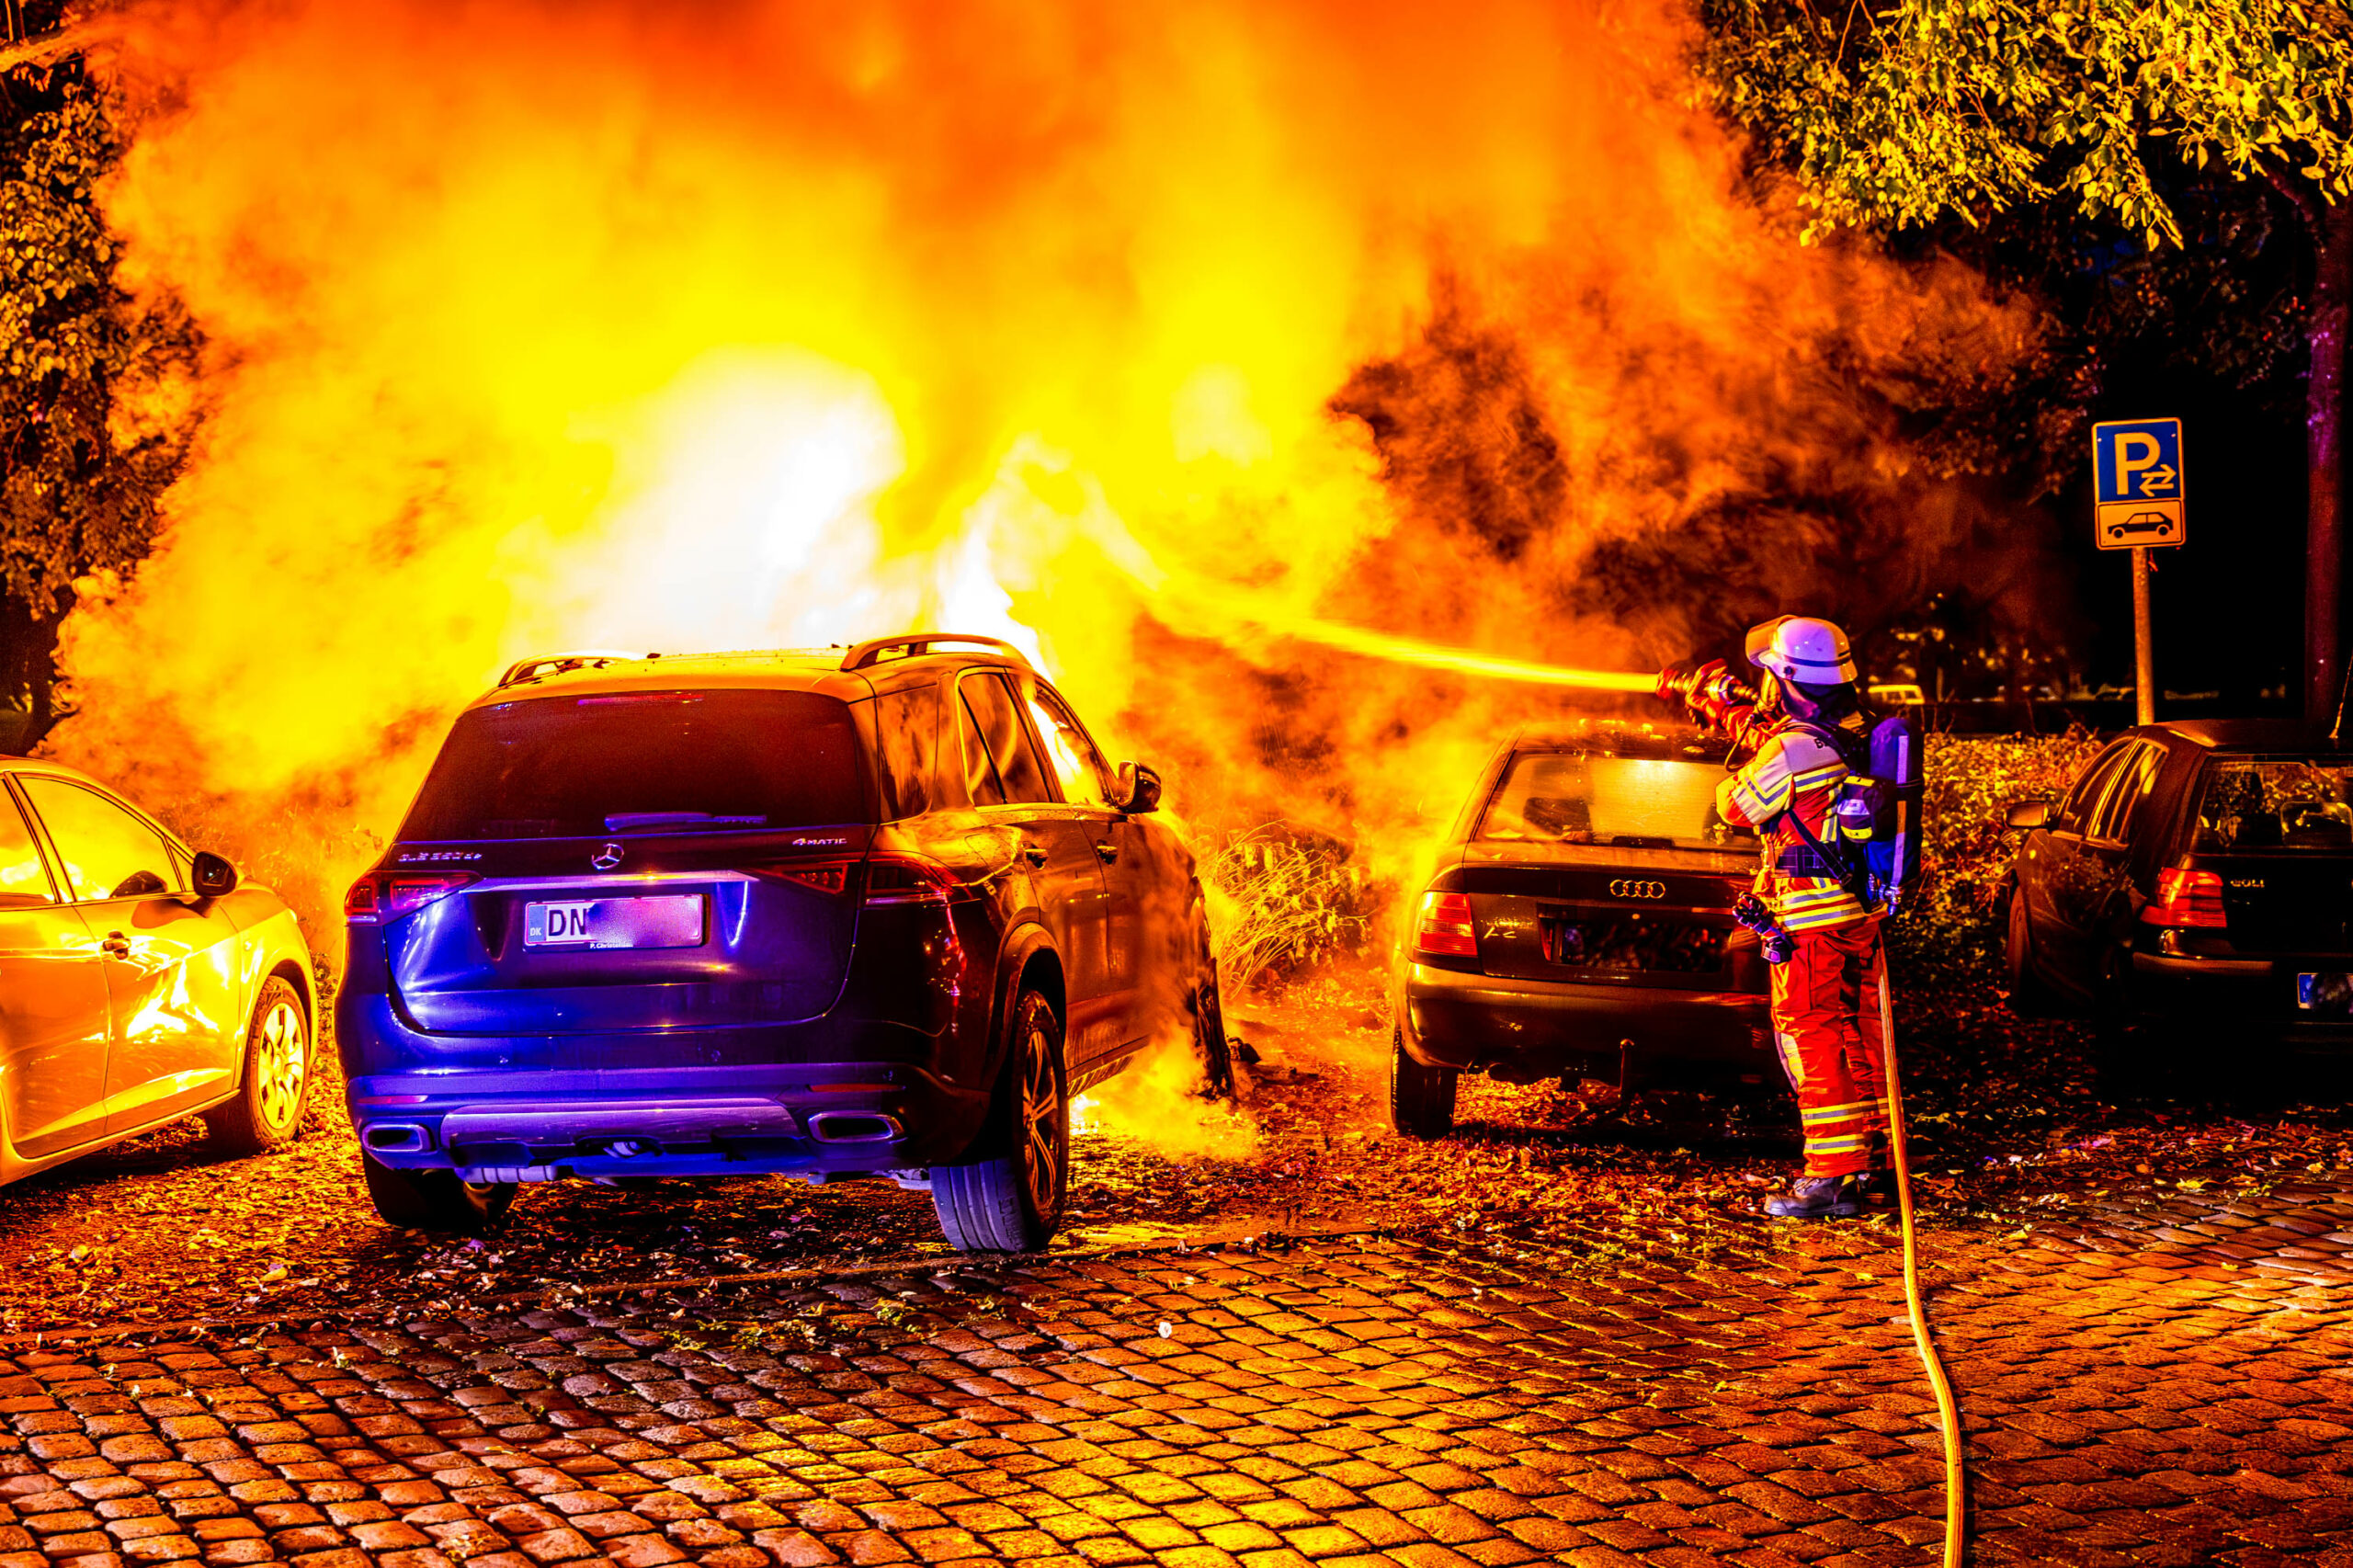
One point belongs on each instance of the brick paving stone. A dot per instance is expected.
(1344, 1402)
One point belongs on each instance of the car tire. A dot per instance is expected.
(434, 1199)
(1421, 1099)
(1207, 1008)
(2030, 997)
(1011, 1198)
(274, 1084)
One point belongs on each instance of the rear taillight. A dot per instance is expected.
(825, 876)
(2186, 898)
(1444, 929)
(908, 879)
(387, 895)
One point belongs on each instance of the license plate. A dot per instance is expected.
(2328, 994)
(666, 920)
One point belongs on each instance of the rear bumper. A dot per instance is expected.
(1478, 1022)
(2250, 997)
(809, 1099)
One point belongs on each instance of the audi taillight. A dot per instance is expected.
(382, 896)
(908, 879)
(1444, 929)
(2186, 898)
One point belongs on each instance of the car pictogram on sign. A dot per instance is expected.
(2141, 523)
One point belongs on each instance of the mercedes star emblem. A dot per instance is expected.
(608, 857)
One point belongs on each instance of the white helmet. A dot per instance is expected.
(1800, 649)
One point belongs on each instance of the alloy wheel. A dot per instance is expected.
(281, 1064)
(1042, 1124)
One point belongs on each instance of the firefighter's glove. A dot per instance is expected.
(1713, 697)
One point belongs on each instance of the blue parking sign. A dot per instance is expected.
(2138, 483)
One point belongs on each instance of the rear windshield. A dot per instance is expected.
(1585, 797)
(621, 763)
(2278, 802)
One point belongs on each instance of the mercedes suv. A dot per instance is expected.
(1578, 923)
(873, 911)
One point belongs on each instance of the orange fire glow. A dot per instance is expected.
(760, 322)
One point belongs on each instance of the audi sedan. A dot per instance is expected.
(1578, 923)
(140, 982)
(2189, 886)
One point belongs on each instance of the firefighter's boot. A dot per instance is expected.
(1817, 1198)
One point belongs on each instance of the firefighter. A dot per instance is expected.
(1805, 736)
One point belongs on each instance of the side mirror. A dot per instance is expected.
(211, 875)
(1138, 788)
(2031, 814)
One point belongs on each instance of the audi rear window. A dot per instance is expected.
(2278, 802)
(624, 763)
(1572, 797)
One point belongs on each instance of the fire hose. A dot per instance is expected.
(1948, 1410)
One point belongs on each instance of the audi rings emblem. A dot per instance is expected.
(1622, 888)
(608, 857)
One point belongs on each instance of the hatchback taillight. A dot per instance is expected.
(2186, 898)
(387, 895)
(1444, 929)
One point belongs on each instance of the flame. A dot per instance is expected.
(1260, 368)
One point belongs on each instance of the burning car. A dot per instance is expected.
(1579, 923)
(142, 982)
(879, 911)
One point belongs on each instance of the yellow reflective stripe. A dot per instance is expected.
(1819, 922)
(1836, 1145)
(1840, 1112)
(1812, 778)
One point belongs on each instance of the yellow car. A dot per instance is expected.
(140, 982)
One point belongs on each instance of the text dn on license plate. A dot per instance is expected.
(666, 921)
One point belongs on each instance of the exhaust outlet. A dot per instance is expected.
(852, 1127)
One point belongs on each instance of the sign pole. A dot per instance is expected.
(2144, 659)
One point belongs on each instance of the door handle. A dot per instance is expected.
(116, 945)
(1033, 853)
(1107, 850)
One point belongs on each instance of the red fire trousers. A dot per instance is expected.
(1826, 1024)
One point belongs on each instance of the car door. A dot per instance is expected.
(174, 994)
(52, 1003)
(2093, 880)
(1125, 853)
(2047, 868)
(1052, 844)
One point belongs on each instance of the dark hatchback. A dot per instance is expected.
(1578, 923)
(839, 914)
(2195, 876)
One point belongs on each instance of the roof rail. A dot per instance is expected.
(871, 651)
(553, 663)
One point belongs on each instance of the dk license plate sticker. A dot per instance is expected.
(2328, 994)
(665, 920)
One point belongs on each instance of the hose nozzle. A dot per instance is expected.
(1708, 691)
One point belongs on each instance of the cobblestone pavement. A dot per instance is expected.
(1344, 1400)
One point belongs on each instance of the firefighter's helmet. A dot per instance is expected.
(1800, 649)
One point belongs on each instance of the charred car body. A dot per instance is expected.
(1579, 923)
(879, 911)
(2193, 875)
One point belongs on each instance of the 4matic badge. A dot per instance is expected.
(608, 857)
